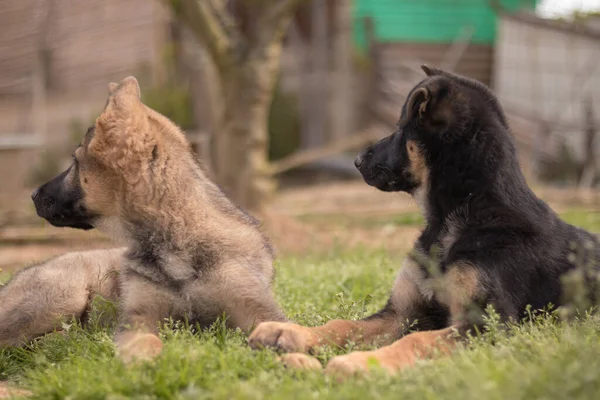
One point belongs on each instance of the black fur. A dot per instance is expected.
(146, 257)
(475, 187)
(60, 201)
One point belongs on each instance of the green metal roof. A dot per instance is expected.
(430, 21)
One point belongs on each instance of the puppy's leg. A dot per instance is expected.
(298, 340)
(34, 301)
(405, 305)
(403, 353)
(247, 300)
(145, 305)
(241, 292)
(290, 337)
(460, 291)
(249, 308)
(246, 309)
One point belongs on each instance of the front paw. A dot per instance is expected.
(284, 336)
(133, 347)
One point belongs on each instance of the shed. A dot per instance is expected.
(424, 30)
(549, 70)
(56, 60)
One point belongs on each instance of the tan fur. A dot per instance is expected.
(138, 346)
(457, 288)
(38, 298)
(410, 286)
(418, 169)
(291, 337)
(118, 160)
(192, 253)
(300, 361)
(462, 285)
(403, 353)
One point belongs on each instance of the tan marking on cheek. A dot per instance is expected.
(418, 167)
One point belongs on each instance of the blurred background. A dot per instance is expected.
(277, 96)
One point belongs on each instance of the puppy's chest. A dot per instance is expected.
(168, 270)
(441, 243)
(426, 272)
(179, 269)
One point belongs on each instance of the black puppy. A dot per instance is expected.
(488, 239)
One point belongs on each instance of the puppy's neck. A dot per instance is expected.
(189, 214)
(114, 228)
(421, 198)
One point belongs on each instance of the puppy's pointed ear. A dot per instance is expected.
(431, 71)
(430, 105)
(428, 70)
(128, 87)
(123, 125)
(124, 96)
(416, 105)
(131, 87)
(112, 87)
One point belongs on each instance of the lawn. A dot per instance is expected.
(541, 359)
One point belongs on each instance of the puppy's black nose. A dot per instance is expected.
(35, 194)
(358, 161)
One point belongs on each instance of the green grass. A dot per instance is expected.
(544, 359)
(585, 218)
(366, 221)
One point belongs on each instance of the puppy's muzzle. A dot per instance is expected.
(361, 157)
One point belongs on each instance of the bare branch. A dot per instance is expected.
(304, 157)
(282, 8)
(226, 20)
(205, 18)
(271, 26)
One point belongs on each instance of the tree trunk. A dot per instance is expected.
(588, 168)
(247, 62)
(241, 143)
